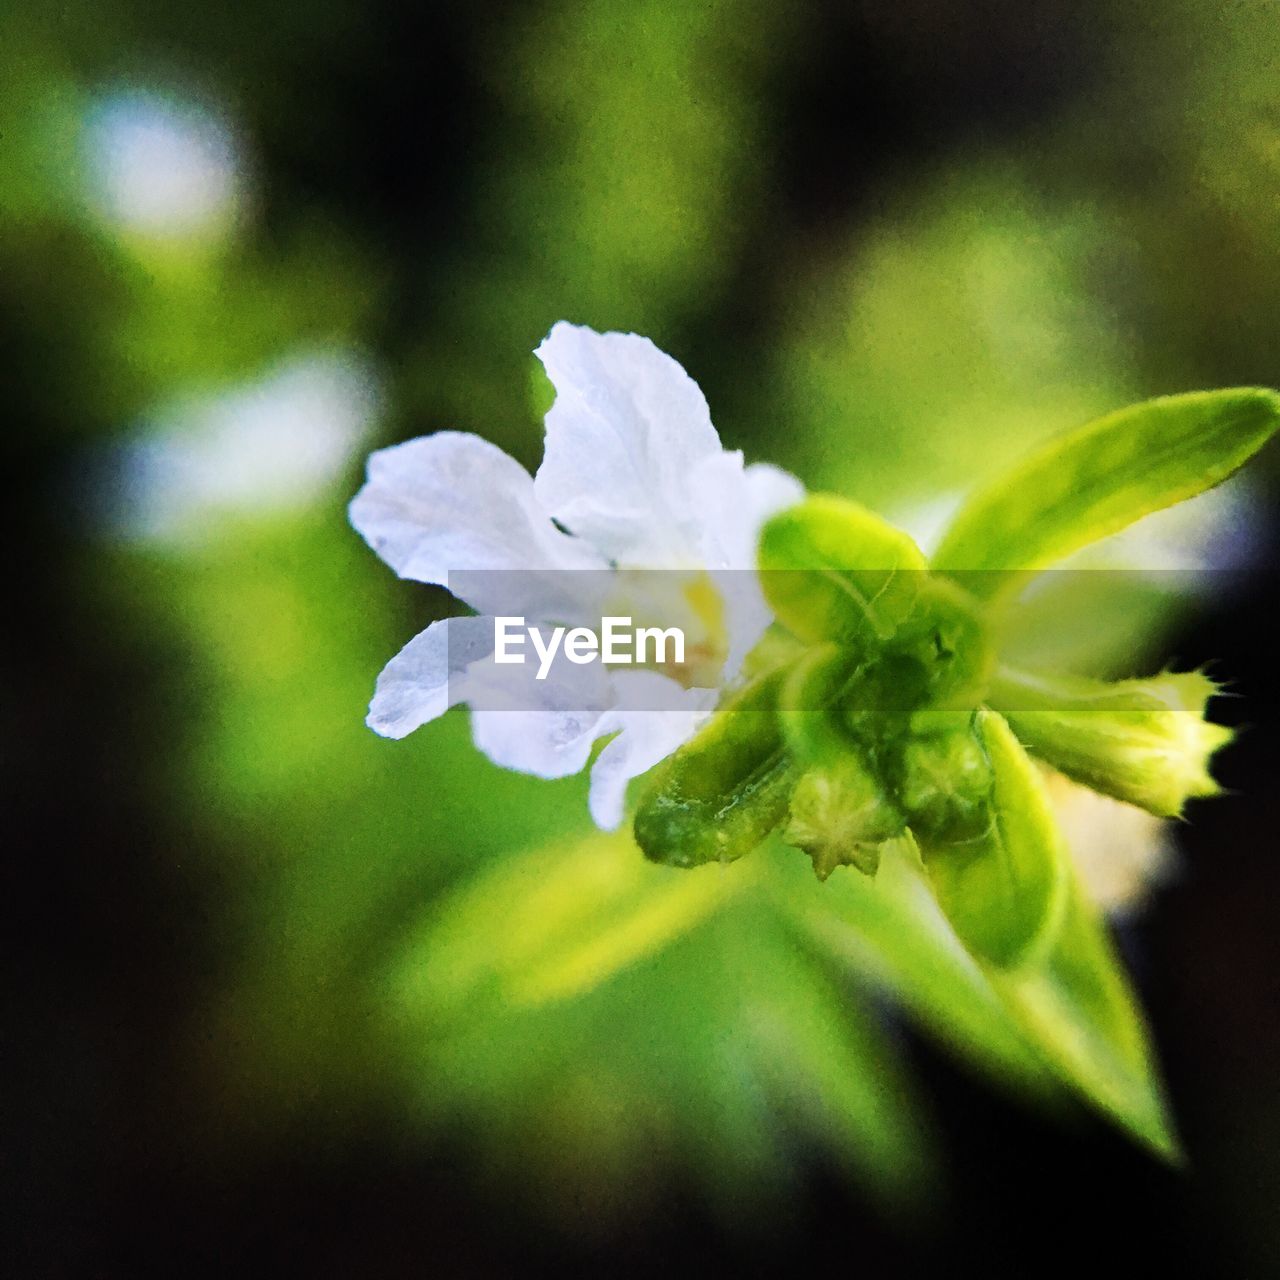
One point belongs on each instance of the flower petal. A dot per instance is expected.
(1123, 852)
(670, 716)
(425, 678)
(742, 504)
(770, 489)
(453, 503)
(626, 431)
(543, 727)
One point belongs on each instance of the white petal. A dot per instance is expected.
(547, 744)
(746, 615)
(543, 727)
(745, 502)
(653, 717)
(1122, 852)
(425, 678)
(724, 519)
(770, 489)
(737, 501)
(454, 504)
(626, 432)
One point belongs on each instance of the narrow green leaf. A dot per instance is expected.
(831, 570)
(1078, 1008)
(891, 931)
(1095, 481)
(828, 1062)
(1070, 1020)
(717, 1047)
(551, 924)
(1003, 890)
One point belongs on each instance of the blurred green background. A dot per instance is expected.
(283, 990)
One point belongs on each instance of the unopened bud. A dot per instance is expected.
(1142, 741)
(946, 779)
(840, 815)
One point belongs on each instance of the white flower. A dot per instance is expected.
(1123, 852)
(633, 478)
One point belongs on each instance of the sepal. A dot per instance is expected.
(1003, 889)
(832, 570)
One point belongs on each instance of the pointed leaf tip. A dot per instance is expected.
(1095, 481)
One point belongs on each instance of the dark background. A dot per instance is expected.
(406, 161)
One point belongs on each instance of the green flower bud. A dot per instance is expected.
(718, 796)
(840, 815)
(946, 780)
(1142, 741)
(832, 570)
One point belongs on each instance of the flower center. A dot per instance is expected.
(689, 600)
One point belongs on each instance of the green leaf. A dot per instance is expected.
(1069, 1021)
(1078, 1008)
(1002, 890)
(551, 924)
(1095, 481)
(827, 1059)
(831, 570)
(890, 930)
(1098, 624)
(715, 1045)
(723, 791)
